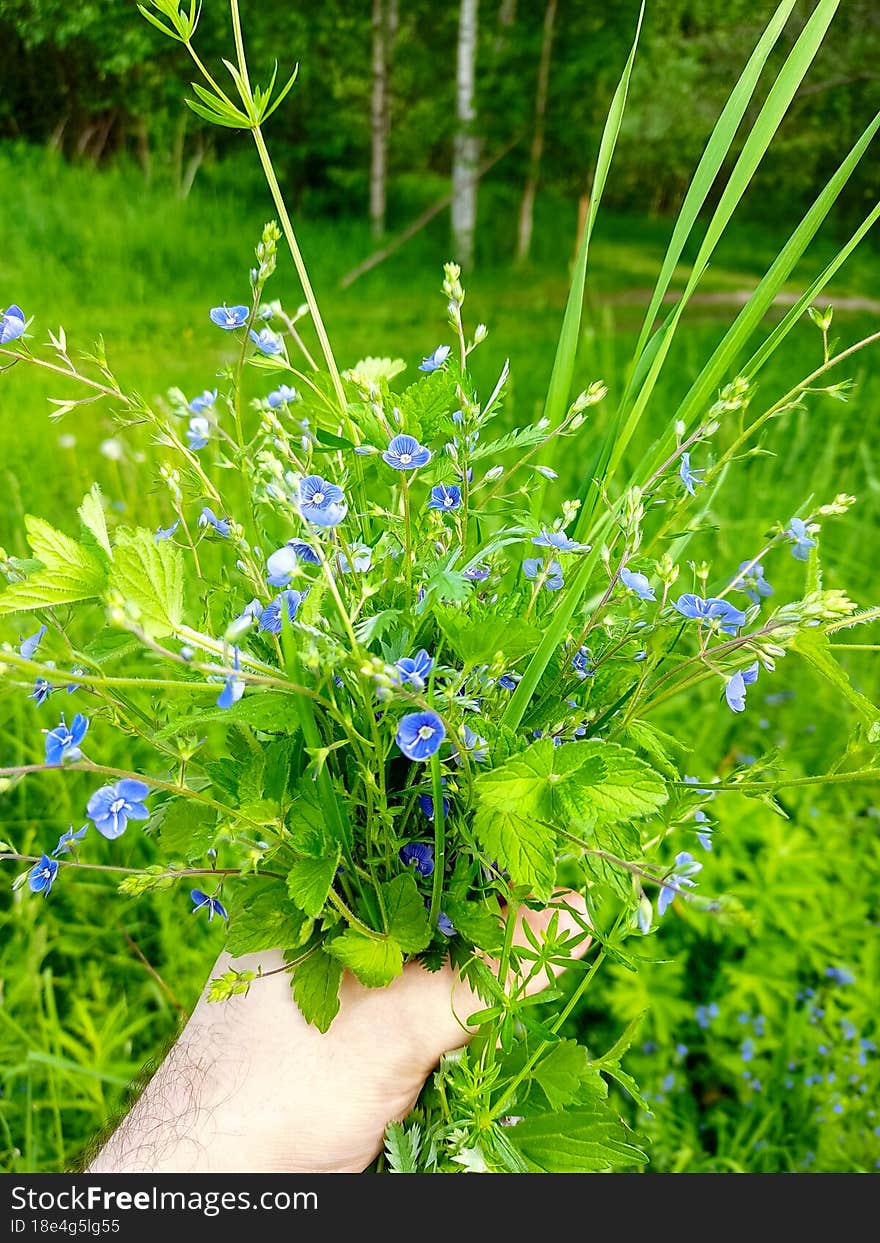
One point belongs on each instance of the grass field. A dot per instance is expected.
(92, 986)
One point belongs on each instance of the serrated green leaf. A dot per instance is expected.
(478, 637)
(654, 742)
(477, 922)
(309, 881)
(262, 917)
(187, 829)
(69, 573)
(148, 577)
(564, 1075)
(402, 1146)
(407, 915)
(272, 712)
(306, 822)
(587, 1140)
(91, 512)
(315, 984)
(376, 961)
(815, 648)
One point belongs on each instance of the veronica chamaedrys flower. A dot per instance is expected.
(445, 496)
(41, 692)
(419, 856)
(267, 341)
(685, 867)
(321, 503)
(270, 618)
(198, 433)
(690, 478)
(476, 573)
(560, 541)
(203, 402)
(362, 557)
(281, 395)
(532, 567)
(414, 670)
(66, 840)
(839, 975)
(405, 453)
(735, 690)
(751, 581)
(801, 542)
(164, 533)
(445, 924)
(112, 807)
(706, 1014)
(207, 518)
(63, 743)
(229, 317)
(419, 735)
(12, 324)
(28, 646)
(581, 662)
(507, 682)
(203, 901)
(233, 687)
(283, 563)
(637, 583)
(713, 612)
(473, 745)
(42, 875)
(436, 360)
(704, 834)
(426, 805)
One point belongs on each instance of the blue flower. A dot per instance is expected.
(29, 645)
(533, 566)
(420, 734)
(361, 555)
(283, 563)
(715, 612)
(560, 541)
(164, 533)
(445, 924)
(735, 690)
(445, 496)
(436, 360)
(198, 433)
(426, 805)
(207, 518)
(203, 900)
(752, 582)
(414, 670)
(267, 341)
(797, 533)
(405, 453)
(63, 743)
(42, 875)
(473, 744)
(747, 1049)
(476, 573)
(66, 840)
(112, 807)
(12, 324)
(41, 692)
(233, 687)
(270, 618)
(705, 1014)
(203, 402)
(281, 395)
(320, 502)
(690, 478)
(507, 682)
(638, 583)
(230, 317)
(581, 662)
(685, 867)
(839, 975)
(419, 855)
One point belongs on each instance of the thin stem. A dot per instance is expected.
(407, 531)
(439, 839)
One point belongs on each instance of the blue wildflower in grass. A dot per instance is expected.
(233, 687)
(112, 807)
(735, 690)
(533, 566)
(66, 841)
(704, 834)
(436, 360)
(685, 867)
(203, 901)
(508, 682)
(473, 745)
(426, 805)
(690, 478)
(41, 692)
(12, 324)
(751, 581)
(414, 670)
(405, 453)
(270, 618)
(445, 497)
(713, 612)
(637, 583)
(801, 542)
(229, 317)
(164, 533)
(747, 1049)
(361, 555)
(63, 743)
(281, 396)
(283, 563)
(42, 875)
(199, 432)
(558, 540)
(476, 573)
(839, 975)
(419, 856)
(203, 402)
(267, 341)
(705, 1015)
(445, 924)
(582, 662)
(28, 646)
(207, 518)
(321, 503)
(419, 735)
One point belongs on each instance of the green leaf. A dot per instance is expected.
(188, 829)
(407, 915)
(69, 572)
(478, 636)
(654, 742)
(477, 922)
(402, 1147)
(271, 712)
(565, 1074)
(374, 960)
(305, 822)
(507, 832)
(586, 1140)
(262, 917)
(309, 881)
(149, 579)
(92, 514)
(316, 982)
(815, 648)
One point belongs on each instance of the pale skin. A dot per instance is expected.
(250, 1087)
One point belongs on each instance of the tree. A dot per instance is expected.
(466, 149)
(527, 206)
(384, 28)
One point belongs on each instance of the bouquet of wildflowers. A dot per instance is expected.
(387, 688)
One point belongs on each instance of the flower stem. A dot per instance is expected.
(439, 839)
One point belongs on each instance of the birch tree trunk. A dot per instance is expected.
(384, 27)
(466, 150)
(527, 205)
